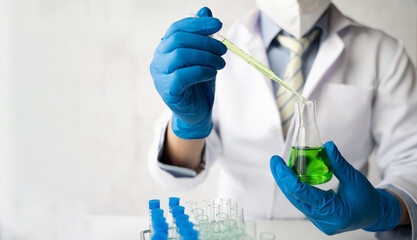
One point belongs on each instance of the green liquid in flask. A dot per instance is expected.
(310, 164)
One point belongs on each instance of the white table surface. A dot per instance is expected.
(106, 227)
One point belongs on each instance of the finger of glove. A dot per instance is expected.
(201, 25)
(204, 12)
(186, 57)
(325, 225)
(193, 41)
(186, 77)
(275, 162)
(312, 196)
(346, 173)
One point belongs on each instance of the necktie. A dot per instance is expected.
(293, 75)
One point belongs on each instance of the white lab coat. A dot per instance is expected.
(366, 92)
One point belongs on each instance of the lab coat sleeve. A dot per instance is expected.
(395, 125)
(173, 177)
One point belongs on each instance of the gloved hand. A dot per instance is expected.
(357, 204)
(184, 69)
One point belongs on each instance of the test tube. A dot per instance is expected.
(221, 221)
(189, 234)
(238, 216)
(205, 227)
(195, 212)
(250, 227)
(213, 210)
(189, 206)
(172, 202)
(225, 205)
(157, 214)
(153, 204)
(221, 227)
(184, 227)
(238, 233)
(160, 236)
(206, 204)
(160, 227)
(176, 211)
(182, 218)
(267, 236)
(232, 206)
(206, 230)
(222, 216)
(202, 219)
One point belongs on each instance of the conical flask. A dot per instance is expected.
(308, 158)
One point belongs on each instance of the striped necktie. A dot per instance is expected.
(293, 75)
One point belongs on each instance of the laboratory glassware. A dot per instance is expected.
(153, 204)
(308, 158)
(250, 227)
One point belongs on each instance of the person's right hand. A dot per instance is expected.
(356, 204)
(184, 69)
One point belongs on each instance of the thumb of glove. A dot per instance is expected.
(274, 162)
(204, 12)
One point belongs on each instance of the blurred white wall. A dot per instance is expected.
(77, 105)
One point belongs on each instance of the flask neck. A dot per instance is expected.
(306, 131)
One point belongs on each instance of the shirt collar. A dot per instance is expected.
(269, 29)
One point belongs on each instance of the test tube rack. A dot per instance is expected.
(213, 220)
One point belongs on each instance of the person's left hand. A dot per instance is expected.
(357, 204)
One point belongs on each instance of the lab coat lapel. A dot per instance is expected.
(250, 41)
(328, 53)
(254, 46)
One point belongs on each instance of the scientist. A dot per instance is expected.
(366, 92)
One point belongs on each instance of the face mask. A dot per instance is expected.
(294, 16)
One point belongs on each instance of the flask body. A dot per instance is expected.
(308, 158)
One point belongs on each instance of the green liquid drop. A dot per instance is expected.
(311, 165)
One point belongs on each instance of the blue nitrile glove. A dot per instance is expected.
(357, 204)
(184, 69)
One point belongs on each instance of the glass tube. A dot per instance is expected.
(267, 236)
(222, 216)
(238, 216)
(206, 203)
(213, 210)
(153, 204)
(172, 202)
(221, 223)
(233, 207)
(201, 218)
(205, 227)
(227, 225)
(196, 212)
(189, 206)
(250, 227)
(237, 233)
(206, 230)
(225, 205)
